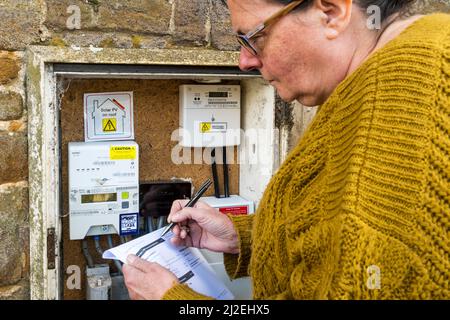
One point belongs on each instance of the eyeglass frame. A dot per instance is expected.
(244, 39)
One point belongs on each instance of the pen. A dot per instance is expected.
(191, 203)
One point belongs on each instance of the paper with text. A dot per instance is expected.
(188, 264)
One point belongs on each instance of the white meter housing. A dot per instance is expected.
(210, 115)
(103, 188)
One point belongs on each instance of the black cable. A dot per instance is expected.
(214, 173)
(225, 173)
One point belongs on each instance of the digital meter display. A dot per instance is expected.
(100, 197)
(216, 94)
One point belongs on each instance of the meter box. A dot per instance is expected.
(103, 188)
(210, 115)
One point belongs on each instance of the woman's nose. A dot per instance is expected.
(248, 61)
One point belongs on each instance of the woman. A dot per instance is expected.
(360, 208)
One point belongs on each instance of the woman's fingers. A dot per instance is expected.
(176, 230)
(184, 238)
(177, 205)
(176, 241)
(188, 214)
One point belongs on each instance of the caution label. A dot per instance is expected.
(209, 127)
(122, 152)
(205, 127)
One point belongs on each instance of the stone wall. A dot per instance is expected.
(101, 23)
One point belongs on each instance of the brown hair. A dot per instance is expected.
(387, 7)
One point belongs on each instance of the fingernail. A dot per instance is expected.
(168, 219)
(131, 258)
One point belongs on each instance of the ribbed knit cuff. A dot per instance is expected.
(236, 265)
(183, 292)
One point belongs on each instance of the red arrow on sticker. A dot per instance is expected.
(118, 104)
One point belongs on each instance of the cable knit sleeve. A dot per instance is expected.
(236, 265)
(183, 292)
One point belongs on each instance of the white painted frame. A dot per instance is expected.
(44, 140)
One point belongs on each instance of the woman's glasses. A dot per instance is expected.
(245, 40)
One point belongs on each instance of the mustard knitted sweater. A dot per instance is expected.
(361, 207)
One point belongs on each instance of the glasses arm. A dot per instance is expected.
(291, 6)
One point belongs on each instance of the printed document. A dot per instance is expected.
(188, 264)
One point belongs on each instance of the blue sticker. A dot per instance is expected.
(128, 224)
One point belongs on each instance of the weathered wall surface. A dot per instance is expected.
(113, 23)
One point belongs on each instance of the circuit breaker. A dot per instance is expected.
(210, 115)
(103, 188)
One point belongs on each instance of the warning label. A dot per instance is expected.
(205, 127)
(108, 116)
(209, 127)
(122, 152)
(109, 124)
(235, 211)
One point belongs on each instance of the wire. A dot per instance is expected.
(87, 256)
(225, 172)
(150, 224)
(214, 173)
(97, 245)
(161, 222)
(116, 262)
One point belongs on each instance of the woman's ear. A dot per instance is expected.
(337, 15)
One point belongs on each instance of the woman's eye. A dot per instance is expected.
(258, 40)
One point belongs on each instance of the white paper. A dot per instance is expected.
(188, 264)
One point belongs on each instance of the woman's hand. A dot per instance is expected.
(203, 227)
(146, 280)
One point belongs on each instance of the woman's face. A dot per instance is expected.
(296, 55)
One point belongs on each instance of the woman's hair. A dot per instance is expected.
(387, 7)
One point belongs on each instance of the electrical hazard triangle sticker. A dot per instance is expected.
(205, 127)
(109, 125)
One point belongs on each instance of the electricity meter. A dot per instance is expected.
(103, 188)
(210, 115)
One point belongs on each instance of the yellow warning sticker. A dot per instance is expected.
(205, 127)
(109, 124)
(122, 152)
